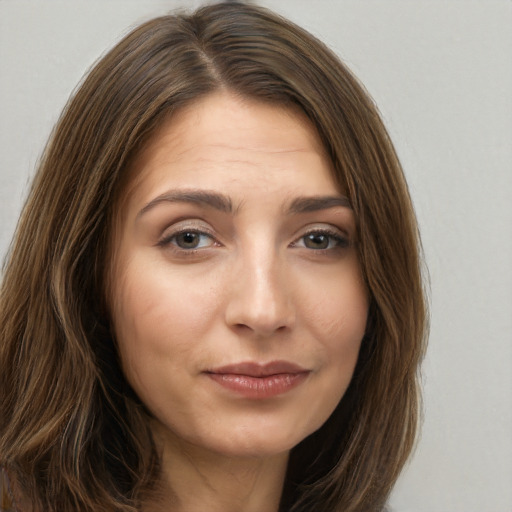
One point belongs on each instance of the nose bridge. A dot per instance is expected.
(260, 298)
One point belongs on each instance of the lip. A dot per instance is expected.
(259, 381)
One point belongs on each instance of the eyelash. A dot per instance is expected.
(336, 240)
(168, 240)
(339, 241)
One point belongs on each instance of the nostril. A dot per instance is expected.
(259, 303)
(242, 327)
(259, 329)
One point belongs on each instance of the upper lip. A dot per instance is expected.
(252, 369)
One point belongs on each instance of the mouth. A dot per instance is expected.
(259, 381)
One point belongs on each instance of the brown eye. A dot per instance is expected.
(317, 241)
(188, 239)
(322, 240)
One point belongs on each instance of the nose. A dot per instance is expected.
(260, 301)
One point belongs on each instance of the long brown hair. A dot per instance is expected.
(72, 433)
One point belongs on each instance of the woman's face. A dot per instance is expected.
(236, 294)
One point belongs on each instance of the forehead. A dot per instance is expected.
(222, 137)
(211, 118)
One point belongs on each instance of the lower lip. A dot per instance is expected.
(259, 388)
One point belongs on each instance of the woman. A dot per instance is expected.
(213, 299)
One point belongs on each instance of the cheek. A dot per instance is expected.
(339, 310)
(338, 318)
(157, 316)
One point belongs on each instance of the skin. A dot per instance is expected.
(255, 276)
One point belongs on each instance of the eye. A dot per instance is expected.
(317, 241)
(322, 240)
(188, 239)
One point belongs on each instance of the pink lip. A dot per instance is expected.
(259, 381)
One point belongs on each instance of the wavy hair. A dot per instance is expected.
(73, 435)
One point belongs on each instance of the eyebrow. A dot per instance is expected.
(213, 200)
(315, 203)
(224, 204)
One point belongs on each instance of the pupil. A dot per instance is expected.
(314, 241)
(188, 240)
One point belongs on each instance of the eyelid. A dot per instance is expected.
(166, 241)
(329, 230)
(322, 227)
(193, 225)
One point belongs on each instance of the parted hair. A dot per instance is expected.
(73, 434)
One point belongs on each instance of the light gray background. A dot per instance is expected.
(441, 73)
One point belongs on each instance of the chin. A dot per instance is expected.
(257, 441)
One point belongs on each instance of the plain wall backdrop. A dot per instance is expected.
(441, 74)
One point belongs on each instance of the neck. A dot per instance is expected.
(195, 479)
